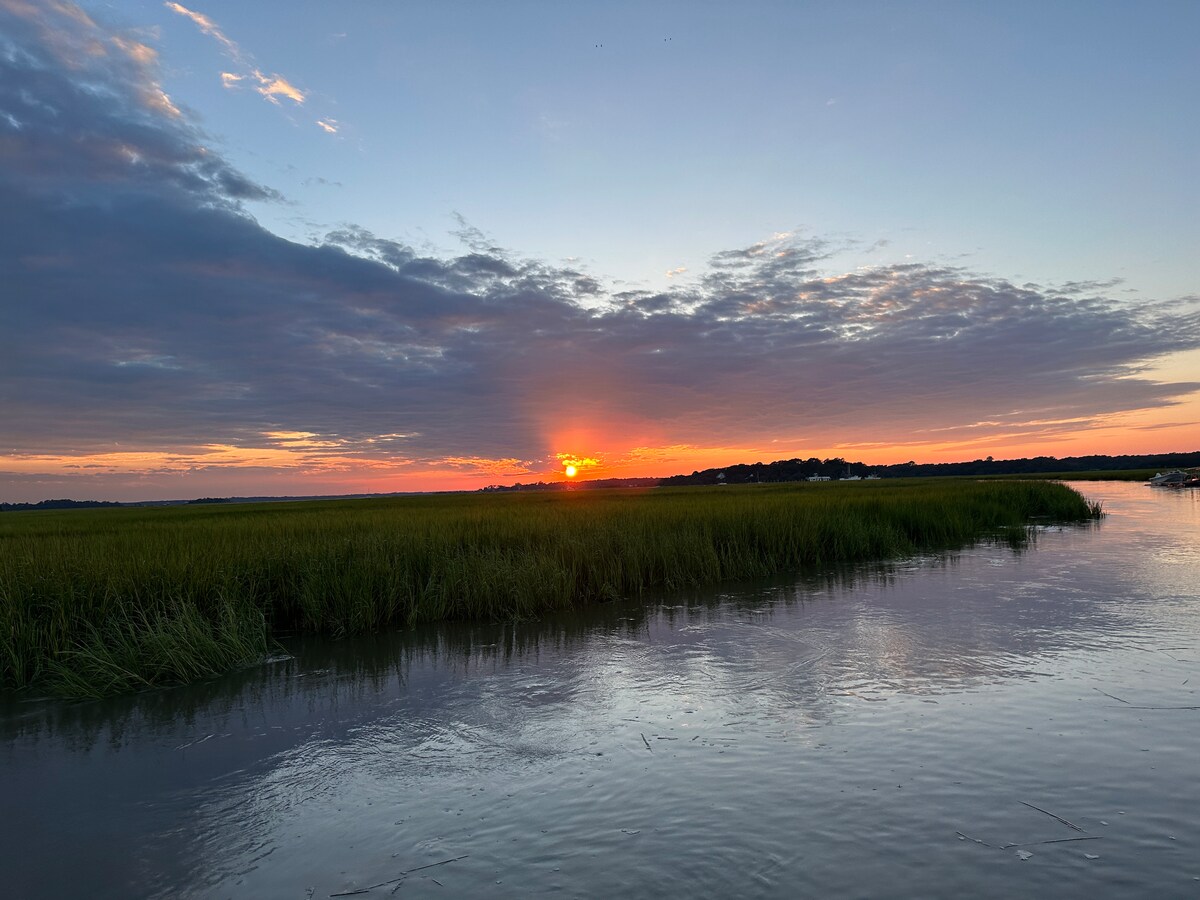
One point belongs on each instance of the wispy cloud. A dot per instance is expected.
(208, 26)
(275, 86)
(271, 86)
(329, 126)
(498, 468)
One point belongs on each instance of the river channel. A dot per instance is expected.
(985, 723)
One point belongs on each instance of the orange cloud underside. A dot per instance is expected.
(301, 462)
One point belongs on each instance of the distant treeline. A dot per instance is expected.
(57, 504)
(1036, 464)
(780, 470)
(800, 469)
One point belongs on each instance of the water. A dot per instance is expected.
(866, 734)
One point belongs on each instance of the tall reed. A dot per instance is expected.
(105, 600)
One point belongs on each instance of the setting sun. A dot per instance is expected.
(572, 463)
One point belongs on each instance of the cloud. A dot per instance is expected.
(578, 462)
(274, 86)
(329, 126)
(271, 86)
(316, 179)
(496, 468)
(68, 38)
(208, 26)
(55, 136)
(143, 305)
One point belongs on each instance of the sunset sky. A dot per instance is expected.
(278, 248)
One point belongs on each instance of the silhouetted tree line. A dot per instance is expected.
(57, 504)
(798, 469)
(1038, 464)
(781, 470)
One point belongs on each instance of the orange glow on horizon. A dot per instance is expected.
(281, 462)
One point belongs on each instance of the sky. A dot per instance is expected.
(309, 248)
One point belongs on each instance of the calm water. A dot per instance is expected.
(873, 734)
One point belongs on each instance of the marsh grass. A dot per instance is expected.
(1092, 475)
(95, 602)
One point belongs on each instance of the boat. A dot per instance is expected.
(1193, 480)
(1174, 479)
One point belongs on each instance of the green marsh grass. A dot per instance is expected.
(100, 601)
(1093, 475)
